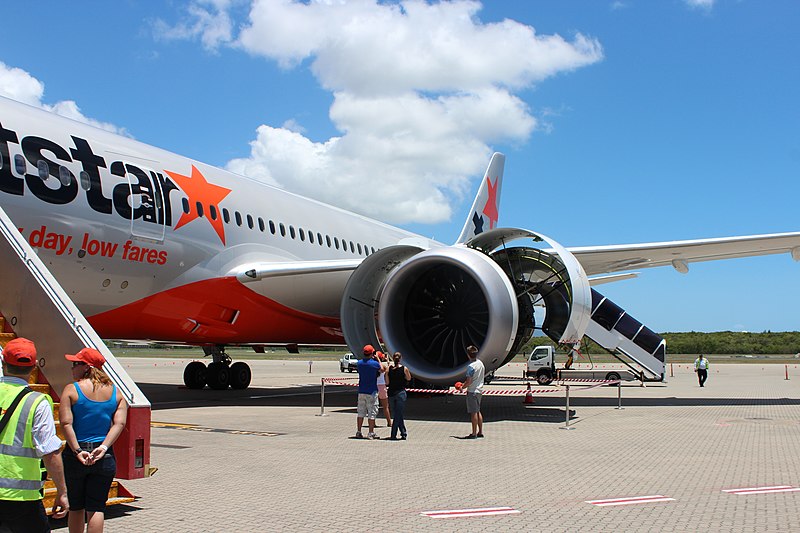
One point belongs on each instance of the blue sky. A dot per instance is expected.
(622, 122)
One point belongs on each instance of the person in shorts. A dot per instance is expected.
(474, 386)
(383, 395)
(368, 370)
(93, 415)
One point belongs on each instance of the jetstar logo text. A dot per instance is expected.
(143, 196)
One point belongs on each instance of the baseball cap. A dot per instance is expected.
(20, 352)
(90, 356)
(368, 349)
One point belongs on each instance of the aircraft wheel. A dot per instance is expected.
(194, 375)
(612, 376)
(218, 376)
(240, 375)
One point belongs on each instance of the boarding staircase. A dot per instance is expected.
(634, 344)
(35, 306)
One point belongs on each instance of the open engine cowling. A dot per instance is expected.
(430, 304)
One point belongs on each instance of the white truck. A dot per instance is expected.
(542, 366)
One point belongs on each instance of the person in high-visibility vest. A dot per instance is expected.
(701, 367)
(28, 439)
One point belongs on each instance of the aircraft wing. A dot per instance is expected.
(615, 258)
(250, 272)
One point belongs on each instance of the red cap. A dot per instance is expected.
(458, 385)
(20, 352)
(369, 350)
(90, 356)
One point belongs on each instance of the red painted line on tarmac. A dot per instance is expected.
(631, 500)
(461, 513)
(762, 490)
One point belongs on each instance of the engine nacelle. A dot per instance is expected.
(430, 305)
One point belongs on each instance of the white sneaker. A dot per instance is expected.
(372, 436)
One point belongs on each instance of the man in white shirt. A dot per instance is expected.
(701, 367)
(474, 386)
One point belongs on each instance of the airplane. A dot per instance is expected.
(152, 245)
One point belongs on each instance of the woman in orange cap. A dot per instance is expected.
(92, 415)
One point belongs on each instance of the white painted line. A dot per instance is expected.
(461, 513)
(762, 490)
(631, 500)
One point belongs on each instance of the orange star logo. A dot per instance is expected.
(203, 193)
(490, 209)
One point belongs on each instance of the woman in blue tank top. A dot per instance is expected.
(92, 416)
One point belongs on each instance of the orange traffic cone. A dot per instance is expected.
(529, 396)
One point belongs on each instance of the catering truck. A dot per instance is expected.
(542, 366)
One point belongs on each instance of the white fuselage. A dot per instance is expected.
(145, 241)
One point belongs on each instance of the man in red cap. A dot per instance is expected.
(28, 438)
(368, 369)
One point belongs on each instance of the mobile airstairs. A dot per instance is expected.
(34, 305)
(634, 344)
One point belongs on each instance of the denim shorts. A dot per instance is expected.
(87, 486)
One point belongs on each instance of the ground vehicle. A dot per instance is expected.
(542, 366)
(348, 362)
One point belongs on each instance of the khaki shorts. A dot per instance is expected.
(368, 405)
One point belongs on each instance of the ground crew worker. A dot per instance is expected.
(701, 367)
(27, 439)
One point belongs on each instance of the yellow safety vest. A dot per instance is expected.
(20, 466)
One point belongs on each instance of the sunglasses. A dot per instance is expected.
(77, 363)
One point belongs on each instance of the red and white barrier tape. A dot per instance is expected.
(352, 382)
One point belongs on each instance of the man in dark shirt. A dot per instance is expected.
(368, 369)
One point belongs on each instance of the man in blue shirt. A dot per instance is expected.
(368, 370)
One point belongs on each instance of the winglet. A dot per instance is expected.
(485, 209)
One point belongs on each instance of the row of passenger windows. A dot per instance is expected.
(43, 169)
(280, 228)
(65, 177)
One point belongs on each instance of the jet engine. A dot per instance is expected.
(431, 304)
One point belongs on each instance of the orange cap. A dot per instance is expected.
(20, 352)
(90, 356)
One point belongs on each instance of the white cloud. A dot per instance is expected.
(421, 91)
(19, 85)
(700, 4)
(207, 20)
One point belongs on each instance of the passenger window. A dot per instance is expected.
(225, 215)
(86, 181)
(311, 237)
(250, 221)
(199, 209)
(352, 247)
(261, 224)
(185, 205)
(272, 227)
(359, 248)
(328, 240)
(238, 217)
(19, 164)
(336, 242)
(44, 170)
(319, 238)
(302, 234)
(291, 231)
(64, 175)
(283, 229)
(212, 211)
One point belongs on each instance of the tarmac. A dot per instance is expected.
(263, 460)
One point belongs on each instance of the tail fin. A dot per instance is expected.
(485, 210)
